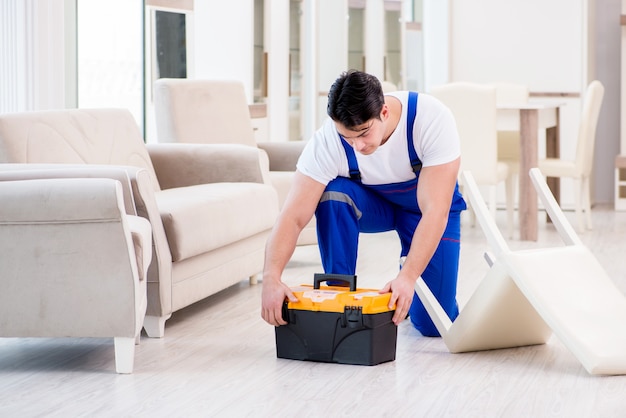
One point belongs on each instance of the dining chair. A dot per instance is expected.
(508, 141)
(580, 168)
(474, 109)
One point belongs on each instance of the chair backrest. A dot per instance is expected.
(202, 111)
(586, 142)
(507, 92)
(74, 136)
(474, 109)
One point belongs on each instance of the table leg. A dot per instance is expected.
(529, 129)
(553, 150)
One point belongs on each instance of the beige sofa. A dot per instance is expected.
(201, 111)
(74, 258)
(209, 209)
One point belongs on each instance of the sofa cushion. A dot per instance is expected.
(201, 218)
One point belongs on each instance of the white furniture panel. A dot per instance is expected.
(535, 42)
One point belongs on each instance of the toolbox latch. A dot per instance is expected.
(353, 317)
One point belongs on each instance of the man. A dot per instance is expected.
(360, 173)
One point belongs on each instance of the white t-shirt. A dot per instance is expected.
(434, 134)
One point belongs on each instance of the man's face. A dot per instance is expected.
(365, 138)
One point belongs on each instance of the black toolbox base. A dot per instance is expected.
(367, 339)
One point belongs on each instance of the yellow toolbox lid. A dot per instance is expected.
(336, 298)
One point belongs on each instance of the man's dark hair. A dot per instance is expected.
(354, 98)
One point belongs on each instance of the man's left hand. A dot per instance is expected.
(402, 290)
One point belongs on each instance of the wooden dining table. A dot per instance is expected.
(530, 118)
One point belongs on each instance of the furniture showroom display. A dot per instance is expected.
(207, 204)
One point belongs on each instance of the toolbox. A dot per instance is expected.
(337, 323)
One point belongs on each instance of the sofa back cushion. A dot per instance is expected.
(78, 136)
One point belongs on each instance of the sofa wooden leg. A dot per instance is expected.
(124, 354)
(155, 325)
(254, 279)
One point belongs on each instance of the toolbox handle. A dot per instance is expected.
(347, 279)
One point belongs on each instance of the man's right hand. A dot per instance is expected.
(273, 297)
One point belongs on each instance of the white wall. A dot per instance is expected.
(519, 41)
(277, 46)
(374, 38)
(308, 67)
(110, 68)
(332, 48)
(436, 39)
(544, 44)
(607, 40)
(223, 41)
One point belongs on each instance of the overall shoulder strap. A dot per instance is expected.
(353, 166)
(416, 163)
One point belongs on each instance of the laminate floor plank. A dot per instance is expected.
(218, 358)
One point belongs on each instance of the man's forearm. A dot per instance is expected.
(279, 249)
(424, 244)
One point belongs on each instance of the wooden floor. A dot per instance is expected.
(218, 359)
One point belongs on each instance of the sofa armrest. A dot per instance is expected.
(283, 155)
(141, 234)
(180, 165)
(26, 171)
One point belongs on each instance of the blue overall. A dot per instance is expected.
(348, 207)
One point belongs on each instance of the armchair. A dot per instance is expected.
(74, 258)
(197, 198)
(217, 112)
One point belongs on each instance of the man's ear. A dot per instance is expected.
(384, 112)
